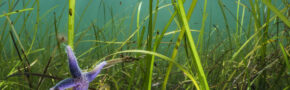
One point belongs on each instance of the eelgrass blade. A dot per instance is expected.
(276, 11)
(33, 74)
(254, 35)
(237, 38)
(19, 42)
(200, 37)
(285, 56)
(48, 12)
(27, 77)
(46, 68)
(226, 23)
(196, 59)
(71, 18)
(155, 45)
(26, 62)
(138, 14)
(17, 11)
(82, 15)
(180, 37)
(247, 42)
(139, 38)
(10, 72)
(35, 27)
(148, 75)
(165, 58)
(56, 33)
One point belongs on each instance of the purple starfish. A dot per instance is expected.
(79, 80)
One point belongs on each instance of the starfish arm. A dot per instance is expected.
(64, 84)
(73, 64)
(92, 74)
(81, 87)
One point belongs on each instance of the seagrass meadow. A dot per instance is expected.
(146, 44)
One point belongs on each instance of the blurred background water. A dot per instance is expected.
(101, 12)
(115, 21)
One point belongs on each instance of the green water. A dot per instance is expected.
(245, 48)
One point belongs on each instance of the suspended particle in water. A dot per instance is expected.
(61, 38)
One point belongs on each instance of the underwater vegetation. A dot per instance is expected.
(144, 44)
